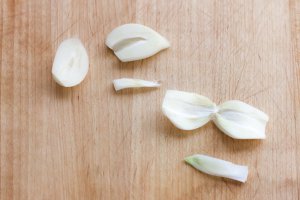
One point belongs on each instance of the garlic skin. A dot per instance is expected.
(132, 42)
(217, 167)
(71, 63)
(124, 83)
(189, 111)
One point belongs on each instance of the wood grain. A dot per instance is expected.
(90, 142)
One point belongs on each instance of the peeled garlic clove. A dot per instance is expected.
(218, 167)
(135, 42)
(241, 121)
(187, 111)
(123, 83)
(71, 63)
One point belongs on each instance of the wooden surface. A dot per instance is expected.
(90, 142)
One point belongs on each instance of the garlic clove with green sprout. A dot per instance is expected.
(217, 167)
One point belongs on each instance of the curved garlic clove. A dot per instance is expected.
(187, 111)
(124, 83)
(241, 121)
(218, 167)
(71, 63)
(135, 42)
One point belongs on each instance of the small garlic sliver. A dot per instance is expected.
(241, 121)
(187, 111)
(218, 167)
(132, 42)
(124, 83)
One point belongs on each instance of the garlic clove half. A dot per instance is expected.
(124, 83)
(241, 121)
(217, 167)
(71, 63)
(187, 111)
(132, 42)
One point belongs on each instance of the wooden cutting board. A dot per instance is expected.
(89, 142)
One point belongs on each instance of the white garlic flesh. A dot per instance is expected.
(217, 167)
(132, 42)
(71, 63)
(189, 111)
(124, 83)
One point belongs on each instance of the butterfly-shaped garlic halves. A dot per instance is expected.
(189, 111)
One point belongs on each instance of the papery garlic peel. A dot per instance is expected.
(124, 83)
(132, 42)
(218, 167)
(189, 111)
(71, 63)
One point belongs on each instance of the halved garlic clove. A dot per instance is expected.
(124, 83)
(71, 63)
(241, 121)
(187, 111)
(135, 42)
(218, 167)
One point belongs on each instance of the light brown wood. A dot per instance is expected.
(90, 142)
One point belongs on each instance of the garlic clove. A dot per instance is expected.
(132, 42)
(241, 121)
(187, 111)
(124, 83)
(71, 63)
(217, 167)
